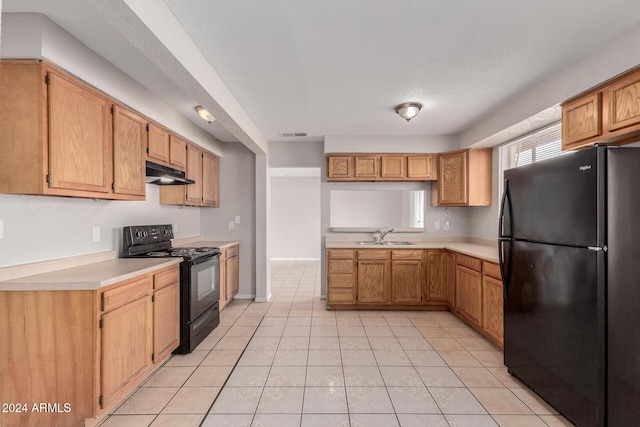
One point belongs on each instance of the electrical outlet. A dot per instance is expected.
(232, 225)
(96, 234)
(447, 224)
(174, 226)
(1, 229)
(436, 225)
(237, 219)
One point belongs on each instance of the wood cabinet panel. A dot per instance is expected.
(437, 285)
(341, 276)
(127, 327)
(166, 277)
(393, 167)
(229, 274)
(421, 167)
(624, 103)
(366, 167)
(128, 291)
(129, 140)
(340, 254)
(491, 269)
(158, 144)
(79, 137)
(406, 281)
(177, 152)
(492, 309)
(373, 277)
(340, 167)
(582, 119)
(469, 262)
(166, 320)
(194, 172)
(469, 295)
(451, 280)
(453, 178)
(210, 180)
(340, 266)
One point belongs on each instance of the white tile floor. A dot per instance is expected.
(292, 363)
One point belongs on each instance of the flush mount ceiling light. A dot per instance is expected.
(205, 114)
(408, 110)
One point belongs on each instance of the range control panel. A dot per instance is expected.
(146, 234)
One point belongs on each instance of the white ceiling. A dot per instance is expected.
(338, 67)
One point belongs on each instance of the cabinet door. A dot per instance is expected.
(223, 279)
(421, 167)
(436, 276)
(126, 347)
(177, 152)
(194, 172)
(450, 270)
(581, 119)
(469, 295)
(210, 180)
(624, 103)
(393, 167)
(492, 309)
(452, 178)
(372, 281)
(129, 138)
(166, 321)
(232, 276)
(366, 167)
(79, 137)
(158, 143)
(340, 167)
(406, 281)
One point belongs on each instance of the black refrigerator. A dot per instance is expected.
(570, 259)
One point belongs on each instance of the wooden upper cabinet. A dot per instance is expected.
(610, 113)
(210, 180)
(393, 167)
(340, 167)
(581, 119)
(623, 98)
(380, 167)
(421, 167)
(129, 141)
(366, 167)
(158, 144)
(464, 179)
(194, 172)
(177, 152)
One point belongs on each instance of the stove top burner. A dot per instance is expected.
(155, 241)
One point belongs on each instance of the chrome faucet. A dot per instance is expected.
(384, 232)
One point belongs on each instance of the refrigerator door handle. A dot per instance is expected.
(505, 273)
(503, 204)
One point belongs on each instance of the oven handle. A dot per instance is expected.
(203, 259)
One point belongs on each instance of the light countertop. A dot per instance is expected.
(88, 277)
(210, 243)
(486, 252)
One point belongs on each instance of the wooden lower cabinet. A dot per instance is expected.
(166, 313)
(437, 279)
(229, 269)
(84, 348)
(341, 276)
(373, 277)
(492, 303)
(469, 295)
(406, 277)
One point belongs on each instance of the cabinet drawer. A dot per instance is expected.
(407, 254)
(166, 277)
(374, 254)
(469, 262)
(340, 296)
(122, 295)
(344, 266)
(491, 269)
(232, 251)
(340, 254)
(340, 280)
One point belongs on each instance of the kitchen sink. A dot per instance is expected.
(384, 243)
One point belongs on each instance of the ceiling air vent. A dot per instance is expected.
(292, 134)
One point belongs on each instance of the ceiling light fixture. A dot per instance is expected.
(205, 114)
(408, 110)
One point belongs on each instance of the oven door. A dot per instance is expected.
(204, 284)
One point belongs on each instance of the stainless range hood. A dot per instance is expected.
(164, 175)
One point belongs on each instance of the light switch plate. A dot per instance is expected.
(174, 227)
(436, 225)
(447, 224)
(96, 234)
(231, 225)
(237, 219)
